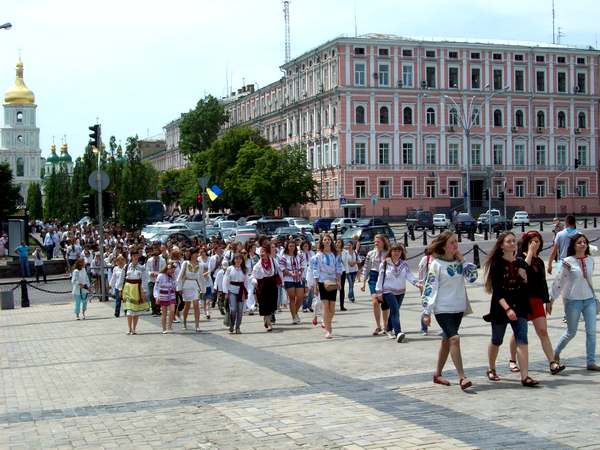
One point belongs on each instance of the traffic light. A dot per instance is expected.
(486, 194)
(89, 206)
(199, 200)
(576, 163)
(501, 195)
(95, 135)
(558, 194)
(107, 204)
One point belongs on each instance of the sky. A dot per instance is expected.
(138, 64)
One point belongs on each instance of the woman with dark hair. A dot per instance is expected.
(291, 264)
(339, 249)
(574, 284)
(234, 286)
(444, 295)
(189, 282)
(81, 287)
(391, 285)
(307, 255)
(506, 280)
(267, 275)
(350, 259)
(530, 245)
(327, 271)
(135, 290)
(370, 274)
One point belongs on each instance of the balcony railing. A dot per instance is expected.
(475, 169)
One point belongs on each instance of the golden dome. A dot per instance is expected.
(19, 94)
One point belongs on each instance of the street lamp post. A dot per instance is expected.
(466, 120)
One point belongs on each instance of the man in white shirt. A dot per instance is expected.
(48, 244)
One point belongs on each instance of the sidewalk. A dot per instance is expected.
(85, 384)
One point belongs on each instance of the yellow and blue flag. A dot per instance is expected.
(213, 192)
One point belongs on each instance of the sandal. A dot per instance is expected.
(556, 367)
(529, 382)
(437, 379)
(465, 384)
(492, 375)
(512, 365)
(377, 331)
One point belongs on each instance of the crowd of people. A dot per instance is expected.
(267, 276)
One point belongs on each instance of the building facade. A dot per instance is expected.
(20, 137)
(154, 151)
(391, 123)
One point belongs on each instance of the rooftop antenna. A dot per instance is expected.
(355, 23)
(286, 19)
(559, 35)
(553, 22)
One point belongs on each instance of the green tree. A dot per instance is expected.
(9, 192)
(179, 185)
(52, 195)
(297, 182)
(200, 126)
(34, 201)
(138, 183)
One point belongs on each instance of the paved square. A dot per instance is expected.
(85, 384)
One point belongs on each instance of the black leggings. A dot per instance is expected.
(342, 292)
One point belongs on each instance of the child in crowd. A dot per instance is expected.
(218, 286)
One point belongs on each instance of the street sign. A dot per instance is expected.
(343, 200)
(104, 180)
(203, 182)
(373, 199)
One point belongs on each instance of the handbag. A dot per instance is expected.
(330, 285)
(593, 293)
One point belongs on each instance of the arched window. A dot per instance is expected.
(453, 117)
(497, 118)
(20, 139)
(384, 115)
(20, 167)
(430, 116)
(581, 120)
(407, 116)
(562, 120)
(360, 114)
(19, 117)
(519, 122)
(541, 119)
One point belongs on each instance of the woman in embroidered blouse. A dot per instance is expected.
(165, 292)
(177, 260)
(370, 274)
(574, 284)
(188, 282)
(339, 249)
(444, 295)
(391, 285)
(530, 245)
(134, 290)
(265, 273)
(327, 270)
(291, 264)
(307, 254)
(506, 280)
(234, 286)
(116, 282)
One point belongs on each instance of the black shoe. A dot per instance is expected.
(343, 309)
(311, 310)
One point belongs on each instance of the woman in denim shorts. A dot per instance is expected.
(506, 280)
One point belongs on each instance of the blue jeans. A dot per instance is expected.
(24, 262)
(236, 311)
(351, 277)
(308, 300)
(394, 302)
(80, 303)
(519, 327)
(117, 303)
(573, 310)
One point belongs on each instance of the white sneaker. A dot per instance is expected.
(175, 320)
(328, 335)
(390, 335)
(298, 321)
(400, 337)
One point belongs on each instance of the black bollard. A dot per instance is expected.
(497, 234)
(541, 225)
(424, 237)
(522, 227)
(405, 239)
(595, 222)
(585, 223)
(459, 236)
(476, 256)
(412, 234)
(24, 294)
(472, 235)
(485, 234)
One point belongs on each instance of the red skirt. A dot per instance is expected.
(537, 308)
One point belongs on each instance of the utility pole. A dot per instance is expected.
(286, 18)
(96, 143)
(553, 22)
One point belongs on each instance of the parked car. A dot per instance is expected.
(184, 236)
(300, 223)
(213, 232)
(268, 226)
(501, 223)
(224, 224)
(464, 222)
(245, 233)
(149, 232)
(520, 217)
(441, 221)
(366, 236)
(282, 233)
(322, 224)
(418, 219)
(370, 222)
(343, 223)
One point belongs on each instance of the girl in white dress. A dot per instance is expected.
(188, 282)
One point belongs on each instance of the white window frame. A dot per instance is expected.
(431, 157)
(355, 182)
(412, 182)
(387, 72)
(522, 160)
(389, 187)
(356, 79)
(412, 153)
(364, 154)
(408, 76)
(379, 154)
(520, 182)
(456, 146)
(539, 146)
(543, 183)
(458, 187)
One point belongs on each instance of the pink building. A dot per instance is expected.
(391, 119)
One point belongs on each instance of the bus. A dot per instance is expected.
(155, 211)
